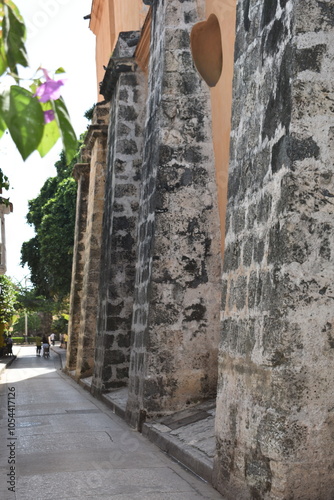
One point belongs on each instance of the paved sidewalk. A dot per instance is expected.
(188, 436)
(61, 352)
(67, 445)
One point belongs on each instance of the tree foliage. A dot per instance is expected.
(29, 301)
(8, 299)
(38, 310)
(49, 254)
(35, 116)
(33, 323)
(60, 324)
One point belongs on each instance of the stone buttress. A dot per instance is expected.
(275, 400)
(125, 86)
(175, 325)
(81, 174)
(87, 246)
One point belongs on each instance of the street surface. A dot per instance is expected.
(58, 442)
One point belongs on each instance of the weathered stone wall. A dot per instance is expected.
(177, 301)
(87, 244)
(81, 174)
(275, 402)
(125, 144)
(97, 137)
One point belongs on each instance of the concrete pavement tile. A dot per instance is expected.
(39, 410)
(77, 461)
(54, 428)
(99, 423)
(70, 485)
(152, 496)
(41, 443)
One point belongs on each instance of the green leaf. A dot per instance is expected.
(24, 118)
(15, 37)
(12, 38)
(4, 181)
(51, 134)
(15, 10)
(33, 87)
(3, 64)
(3, 61)
(68, 136)
(59, 71)
(3, 58)
(3, 125)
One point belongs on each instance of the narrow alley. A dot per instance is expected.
(58, 442)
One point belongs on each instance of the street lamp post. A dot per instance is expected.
(26, 278)
(26, 326)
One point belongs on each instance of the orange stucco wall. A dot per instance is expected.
(221, 97)
(108, 19)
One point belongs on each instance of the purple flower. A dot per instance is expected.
(49, 90)
(49, 116)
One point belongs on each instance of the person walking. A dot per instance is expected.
(9, 345)
(52, 338)
(46, 347)
(65, 340)
(38, 345)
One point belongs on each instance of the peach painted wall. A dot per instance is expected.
(108, 19)
(221, 97)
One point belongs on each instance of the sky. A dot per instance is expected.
(58, 36)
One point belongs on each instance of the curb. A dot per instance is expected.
(81, 382)
(193, 460)
(118, 410)
(112, 405)
(8, 361)
(60, 357)
(5, 365)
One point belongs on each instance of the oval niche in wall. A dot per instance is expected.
(206, 48)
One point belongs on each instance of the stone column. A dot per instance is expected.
(125, 85)
(177, 300)
(86, 251)
(275, 400)
(4, 209)
(96, 142)
(81, 174)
